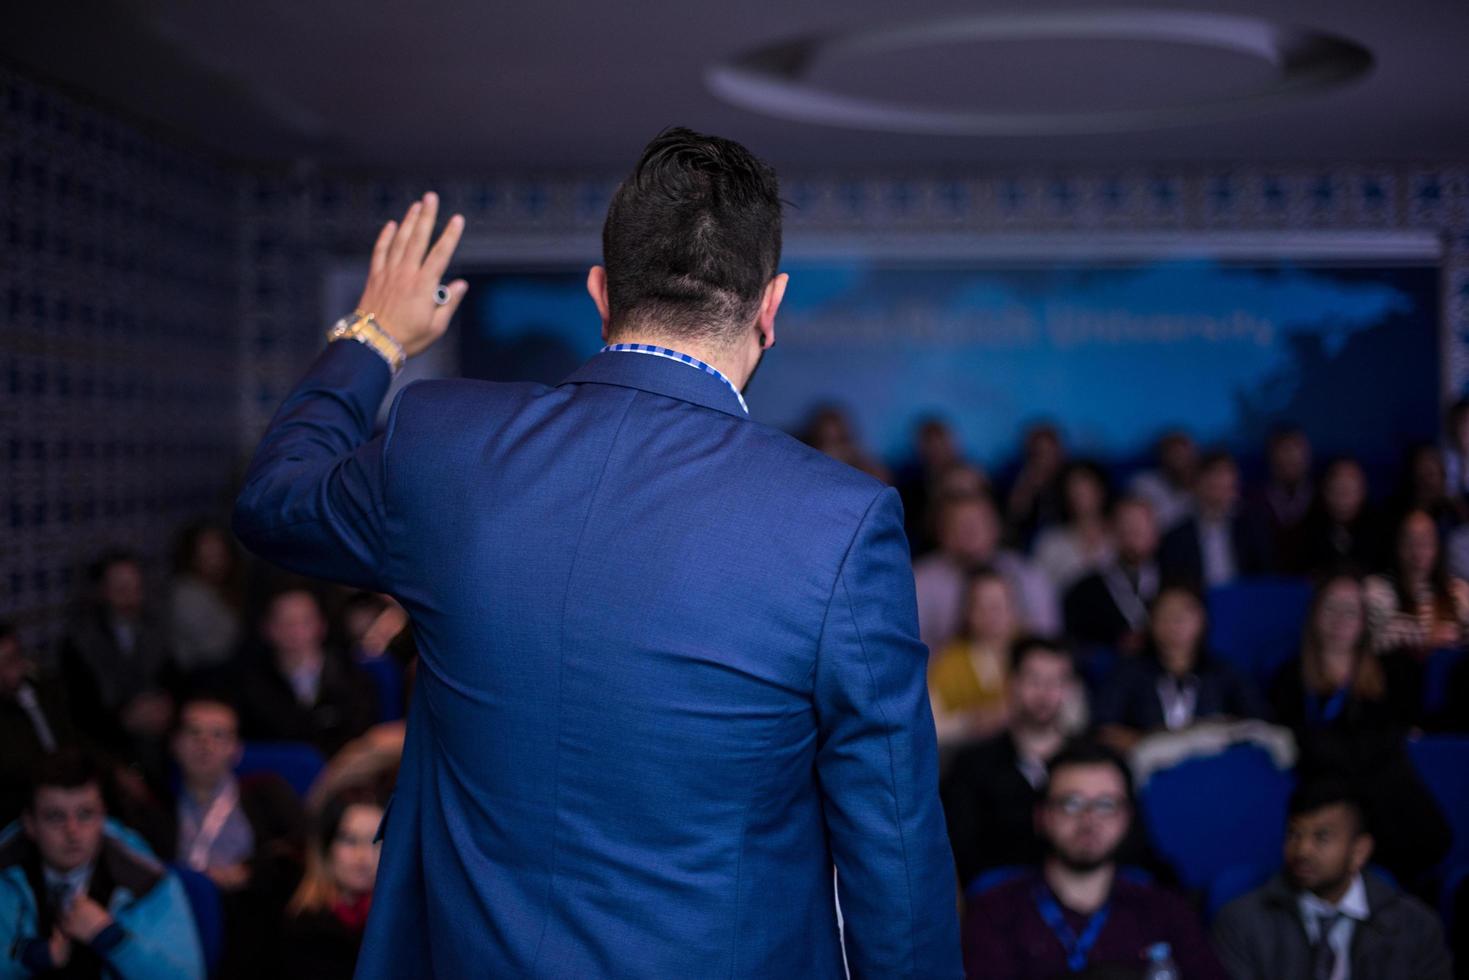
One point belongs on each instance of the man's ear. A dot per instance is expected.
(597, 289)
(775, 291)
(1362, 848)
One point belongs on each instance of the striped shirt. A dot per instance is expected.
(674, 355)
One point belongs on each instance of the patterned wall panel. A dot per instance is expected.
(118, 337)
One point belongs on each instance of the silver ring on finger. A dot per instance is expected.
(441, 294)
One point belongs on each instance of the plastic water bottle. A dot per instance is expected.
(1160, 963)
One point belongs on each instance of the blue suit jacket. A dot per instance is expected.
(669, 676)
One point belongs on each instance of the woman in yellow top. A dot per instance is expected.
(968, 680)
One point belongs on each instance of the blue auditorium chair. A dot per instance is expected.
(204, 902)
(296, 762)
(1212, 813)
(1443, 762)
(1255, 624)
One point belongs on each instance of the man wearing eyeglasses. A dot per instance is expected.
(1079, 913)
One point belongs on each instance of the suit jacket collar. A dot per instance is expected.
(658, 376)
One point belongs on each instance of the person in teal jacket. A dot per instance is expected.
(81, 896)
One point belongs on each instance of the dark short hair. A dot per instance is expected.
(1216, 458)
(1085, 752)
(97, 568)
(210, 694)
(692, 237)
(1027, 646)
(67, 768)
(1318, 794)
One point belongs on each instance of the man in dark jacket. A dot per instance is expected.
(1322, 917)
(33, 722)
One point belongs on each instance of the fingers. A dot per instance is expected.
(380, 250)
(423, 228)
(445, 313)
(400, 241)
(443, 250)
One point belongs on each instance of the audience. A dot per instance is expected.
(1324, 915)
(247, 834)
(80, 897)
(1220, 541)
(967, 680)
(1170, 487)
(1079, 910)
(969, 539)
(1109, 607)
(1004, 703)
(33, 722)
(299, 690)
(116, 663)
(1174, 683)
(1083, 544)
(328, 913)
(204, 598)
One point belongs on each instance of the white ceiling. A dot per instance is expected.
(559, 85)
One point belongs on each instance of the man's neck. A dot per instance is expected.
(203, 789)
(1038, 742)
(1336, 891)
(720, 358)
(1080, 891)
(291, 661)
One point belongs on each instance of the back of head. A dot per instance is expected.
(692, 237)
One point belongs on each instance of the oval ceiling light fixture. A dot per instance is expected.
(776, 79)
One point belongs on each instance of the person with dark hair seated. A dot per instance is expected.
(1175, 683)
(1220, 541)
(80, 897)
(326, 917)
(33, 722)
(1280, 506)
(247, 834)
(301, 690)
(1110, 606)
(117, 665)
(1078, 912)
(1341, 529)
(1322, 917)
(967, 679)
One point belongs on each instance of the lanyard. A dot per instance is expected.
(1078, 949)
(213, 822)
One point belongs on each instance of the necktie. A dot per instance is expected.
(1323, 954)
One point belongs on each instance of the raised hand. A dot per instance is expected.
(402, 279)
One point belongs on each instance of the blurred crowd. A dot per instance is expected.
(192, 782)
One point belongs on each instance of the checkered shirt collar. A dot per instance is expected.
(674, 355)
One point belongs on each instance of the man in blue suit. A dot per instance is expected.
(669, 673)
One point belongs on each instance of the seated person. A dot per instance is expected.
(1174, 684)
(117, 665)
(246, 834)
(968, 530)
(327, 915)
(301, 691)
(1322, 916)
(1220, 541)
(1066, 552)
(1341, 528)
(1077, 912)
(1169, 488)
(79, 899)
(1109, 607)
(968, 678)
(33, 722)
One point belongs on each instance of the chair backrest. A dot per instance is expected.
(205, 903)
(296, 762)
(387, 679)
(1255, 624)
(1443, 763)
(1211, 813)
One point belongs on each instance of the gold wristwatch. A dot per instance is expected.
(364, 328)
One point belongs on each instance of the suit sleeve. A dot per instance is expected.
(314, 499)
(877, 763)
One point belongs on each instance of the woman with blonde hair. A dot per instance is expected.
(968, 680)
(326, 916)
